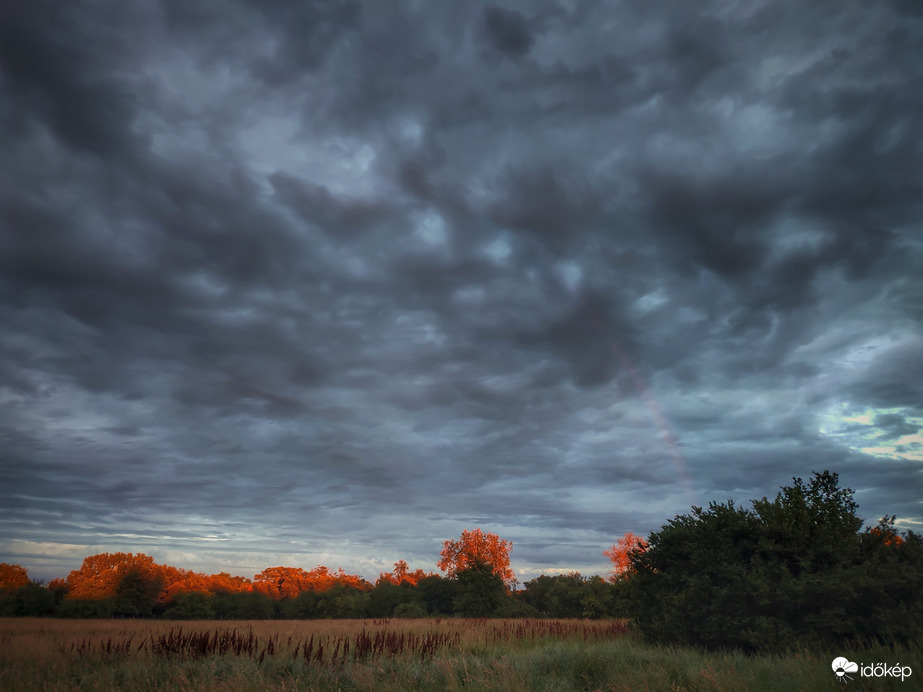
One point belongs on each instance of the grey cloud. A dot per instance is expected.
(592, 337)
(895, 425)
(317, 205)
(52, 64)
(507, 31)
(540, 203)
(715, 223)
(561, 270)
(891, 378)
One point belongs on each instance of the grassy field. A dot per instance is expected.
(433, 654)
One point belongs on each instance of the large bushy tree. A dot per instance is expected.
(792, 571)
(475, 549)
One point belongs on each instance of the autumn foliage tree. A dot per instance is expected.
(12, 577)
(289, 582)
(100, 576)
(474, 549)
(403, 575)
(226, 583)
(620, 554)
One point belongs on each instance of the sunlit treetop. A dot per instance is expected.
(475, 548)
(12, 577)
(620, 554)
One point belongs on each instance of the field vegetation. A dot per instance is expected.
(419, 654)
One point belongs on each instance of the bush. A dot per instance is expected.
(245, 605)
(571, 596)
(33, 600)
(190, 605)
(438, 594)
(790, 572)
(515, 607)
(409, 610)
(86, 608)
(385, 598)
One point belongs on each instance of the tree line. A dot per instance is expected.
(797, 570)
(477, 582)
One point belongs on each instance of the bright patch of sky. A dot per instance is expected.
(860, 431)
(431, 228)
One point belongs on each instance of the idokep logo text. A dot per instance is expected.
(842, 667)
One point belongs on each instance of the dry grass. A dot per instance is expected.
(431, 654)
(109, 654)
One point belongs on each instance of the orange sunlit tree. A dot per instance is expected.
(474, 549)
(620, 554)
(225, 583)
(403, 575)
(288, 582)
(101, 575)
(12, 577)
(885, 531)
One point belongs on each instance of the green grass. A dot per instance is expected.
(507, 655)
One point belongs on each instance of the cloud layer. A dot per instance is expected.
(329, 282)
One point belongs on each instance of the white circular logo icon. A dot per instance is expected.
(841, 666)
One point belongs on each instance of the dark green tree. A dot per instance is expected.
(409, 610)
(190, 605)
(437, 594)
(86, 608)
(385, 597)
(792, 571)
(481, 590)
(305, 606)
(137, 593)
(341, 601)
(33, 599)
(570, 596)
(888, 583)
(245, 605)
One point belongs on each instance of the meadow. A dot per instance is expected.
(388, 654)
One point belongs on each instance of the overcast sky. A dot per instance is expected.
(327, 282)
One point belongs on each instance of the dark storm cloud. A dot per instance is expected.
(507, 31)
(894, 425)
(891, 377)
(539, 203)
(592, 338)
(277, 281)
(317, 205)
(60, 79)
(715, 223)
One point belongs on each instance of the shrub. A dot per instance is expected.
(190, 605)
(409, 610)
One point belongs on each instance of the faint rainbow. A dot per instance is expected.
(644, 391)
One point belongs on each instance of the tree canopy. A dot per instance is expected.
(620, 554)
(475, 548)
(790, 571)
